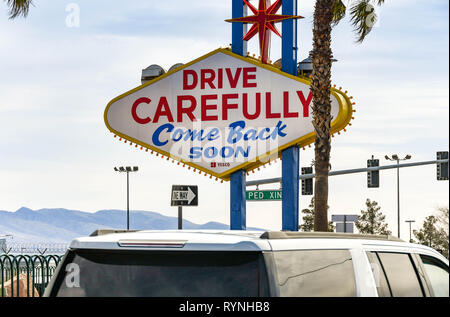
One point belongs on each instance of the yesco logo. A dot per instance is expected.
(220, 113)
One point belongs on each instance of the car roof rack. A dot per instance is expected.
(277, 235)
(102, 232)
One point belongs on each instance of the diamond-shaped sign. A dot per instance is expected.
(221, 113)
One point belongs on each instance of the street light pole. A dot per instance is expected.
(127, 170)
(398, 196)
(128, 200)
(397, 159)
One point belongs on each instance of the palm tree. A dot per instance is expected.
(18, 7)
(327, 14)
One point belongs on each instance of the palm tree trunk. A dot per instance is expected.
(320, 87)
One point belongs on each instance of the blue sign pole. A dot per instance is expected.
(238, 201)
(238, 179)
(289, 38)
(290, 156)
(290, 183)
(239, 46)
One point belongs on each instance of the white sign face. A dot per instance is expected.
(220, 113)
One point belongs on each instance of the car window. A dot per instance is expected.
(314, 273)
(401, 274)
(379, 275)
(156, 274)
(437, 273)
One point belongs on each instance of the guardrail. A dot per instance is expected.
(26, 275)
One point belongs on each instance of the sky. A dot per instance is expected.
(57, 76)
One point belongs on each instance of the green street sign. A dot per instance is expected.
(264, 195)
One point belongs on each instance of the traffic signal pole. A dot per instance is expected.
(349, 171)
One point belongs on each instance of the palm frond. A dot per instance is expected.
(363, 18)
(18, 7)
(339, 12)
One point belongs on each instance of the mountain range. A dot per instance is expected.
(62, 225)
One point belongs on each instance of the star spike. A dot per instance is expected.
(275, 7)
(274, 29)
(263, 21)
(251, 7)
(251, 33)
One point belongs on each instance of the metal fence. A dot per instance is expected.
(33, 248)
(26, 275)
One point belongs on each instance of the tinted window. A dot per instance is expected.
(173, 274)
(437, 273)
(401, 274)
(314, 273)
(379, 275)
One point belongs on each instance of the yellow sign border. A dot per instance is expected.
(343, 119)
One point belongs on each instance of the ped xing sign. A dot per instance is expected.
(222, 113)
(264, 195)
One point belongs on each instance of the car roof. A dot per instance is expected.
(171, 239)
(235, 240)
(270, 235)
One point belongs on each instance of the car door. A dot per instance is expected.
(436, 275)
(396, 274)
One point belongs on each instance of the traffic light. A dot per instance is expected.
(373, 177)
(307, 184)
(442, 168)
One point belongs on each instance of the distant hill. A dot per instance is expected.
(62, 225)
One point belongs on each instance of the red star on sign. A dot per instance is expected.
(263, 20)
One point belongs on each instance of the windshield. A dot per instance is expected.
(153, 274)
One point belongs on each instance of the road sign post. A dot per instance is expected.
(344, 223)
(180, 217)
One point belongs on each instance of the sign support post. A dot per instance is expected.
(289, 38)
(238, 45)
(238, 179)
(290, 182)
(238, 201)
(180, 217)
(290, 156)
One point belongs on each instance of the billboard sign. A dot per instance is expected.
(221, 113)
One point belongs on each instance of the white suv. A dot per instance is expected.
(247, 264)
